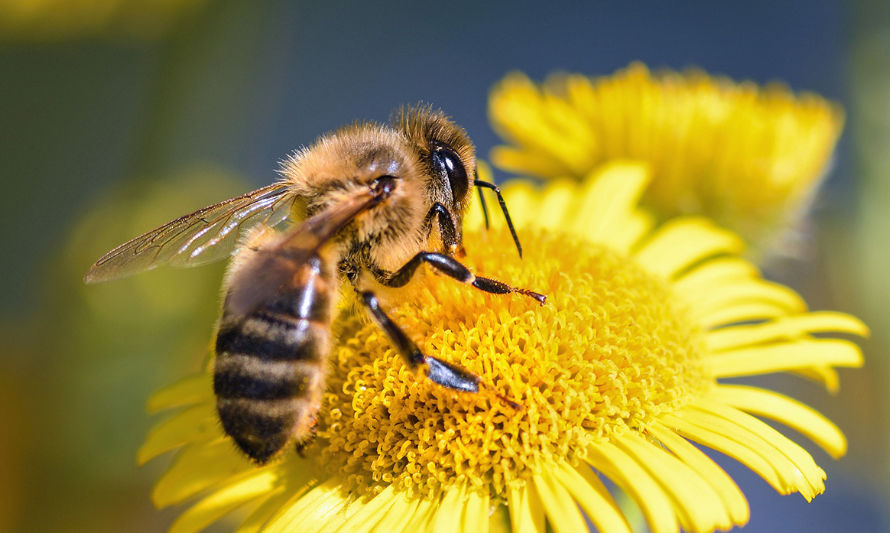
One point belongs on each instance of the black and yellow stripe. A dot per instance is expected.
(268, 363)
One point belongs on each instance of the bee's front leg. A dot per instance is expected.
(453, 268)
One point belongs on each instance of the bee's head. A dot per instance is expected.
(448, 162)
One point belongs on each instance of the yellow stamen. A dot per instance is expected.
(610, 350)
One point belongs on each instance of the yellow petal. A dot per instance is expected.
(784, 356)
(562, 513)
(258, 483)
(800, 458)
(590, 493)
(368, 514)
(788, 474)
(311, 507)
(742, 312)
(274, 503)
(397, 517)
(553, 205)
(545, 126)
(715, 273)
(703, 432)
(682, 242)
(526, 510)
(629, 475)
(729, 492)
(475, 515)
(784, 328)
(198, 423)
(524, 163)
(699, 507)
(499, 521)
(187, 391)
(705, 304)
(423, 516)
(825, 375)
(629, 232)
(449, 513)
(197, 467)
(611, 194)
(783, 409)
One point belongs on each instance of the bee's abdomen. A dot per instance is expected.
(269, 369)
(268, 346)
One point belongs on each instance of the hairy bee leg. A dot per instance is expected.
(302, 445)
(438, 371)
(453, 268)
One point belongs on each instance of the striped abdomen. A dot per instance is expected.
(270, 363)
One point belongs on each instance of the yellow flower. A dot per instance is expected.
(751, 158)
(616, 377)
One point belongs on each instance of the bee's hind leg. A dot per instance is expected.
(437, 370)
(309, 439)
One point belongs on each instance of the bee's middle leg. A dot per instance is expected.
(453, 268)
(437, 370)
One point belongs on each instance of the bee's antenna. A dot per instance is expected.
(497, 191)
(481, 199)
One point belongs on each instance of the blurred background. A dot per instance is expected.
(116, 116)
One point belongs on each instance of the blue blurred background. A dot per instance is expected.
(117, 116)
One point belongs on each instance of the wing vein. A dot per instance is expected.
(202, 236)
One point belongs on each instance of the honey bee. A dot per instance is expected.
(370, 204)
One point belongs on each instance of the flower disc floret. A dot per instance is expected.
(610, 350)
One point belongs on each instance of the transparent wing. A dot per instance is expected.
(208, 234)
(274, 264)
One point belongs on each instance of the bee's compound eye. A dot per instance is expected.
(448, 164)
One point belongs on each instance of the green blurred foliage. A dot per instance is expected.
(860, 265)
(57, 20)
(98, 108)
(94, 355)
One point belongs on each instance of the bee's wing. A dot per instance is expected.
(273, 266)
(206, 235)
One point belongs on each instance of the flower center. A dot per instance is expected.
(611, 349)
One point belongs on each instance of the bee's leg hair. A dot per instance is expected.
(303, 444)
(441, 372)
